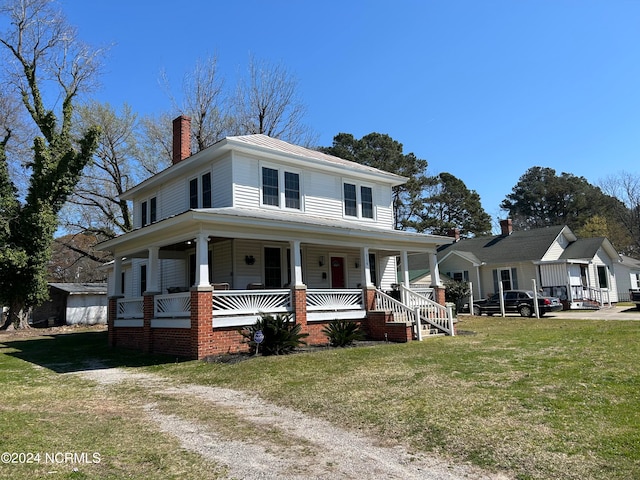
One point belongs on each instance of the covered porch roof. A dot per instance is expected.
(267, 225)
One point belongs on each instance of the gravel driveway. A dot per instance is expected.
(326, 451)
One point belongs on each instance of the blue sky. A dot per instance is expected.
(481, 89)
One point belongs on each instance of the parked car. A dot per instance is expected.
(516, 301)
(634, 295)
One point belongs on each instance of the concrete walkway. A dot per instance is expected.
(605, 313)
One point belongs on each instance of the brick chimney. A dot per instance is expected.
(181, 138)
(455, 234)
(506, 226)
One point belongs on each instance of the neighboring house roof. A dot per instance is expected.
(81, 288)
(516, 247)
(630, 262)
(586, 248)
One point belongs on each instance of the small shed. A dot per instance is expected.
(73, 304)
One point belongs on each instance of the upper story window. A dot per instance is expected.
(148, 211)
(281, 188)
(200, 191)
(358, 202)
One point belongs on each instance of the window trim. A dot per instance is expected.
(282, 187)
(359, 186)
(200, 191)
(146, 211)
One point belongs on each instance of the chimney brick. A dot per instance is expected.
(506, 226)
(181, 138)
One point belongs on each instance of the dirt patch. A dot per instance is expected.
(321, 450)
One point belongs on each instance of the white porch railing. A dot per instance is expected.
(335, 300)
(417, 309)
(430, 312)
(251, 302)
(132, 307)
(600, 295)
(422, 290)
(173, 305)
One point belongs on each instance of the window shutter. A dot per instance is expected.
(514, 278)
(465, 274)
(496, 289)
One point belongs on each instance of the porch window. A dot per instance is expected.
(366, 196)
(270, 189)
(272, 268)
(350, 201)
(143, 279)
(373, 269)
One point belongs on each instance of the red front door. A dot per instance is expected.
(337, 272)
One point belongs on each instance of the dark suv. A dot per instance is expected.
(516, 301)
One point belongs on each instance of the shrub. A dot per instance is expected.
(342, 333)
(281, 335)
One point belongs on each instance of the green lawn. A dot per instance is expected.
(539, 399)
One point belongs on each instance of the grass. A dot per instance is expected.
(538, 399)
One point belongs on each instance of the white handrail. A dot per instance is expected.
(430, 312)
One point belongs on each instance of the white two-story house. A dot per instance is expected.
(255, 225)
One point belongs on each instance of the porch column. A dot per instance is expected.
(404, 267)
(202, 261)
(296, 262)
(117, 276)
(152, 270)
(436, 283)
(366, 269)
(435, 271)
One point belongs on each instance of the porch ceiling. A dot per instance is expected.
(269, 226)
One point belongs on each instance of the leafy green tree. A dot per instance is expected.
(603, 226)
(541, 198)
(40, 41)
(450, 205)
(382, 152)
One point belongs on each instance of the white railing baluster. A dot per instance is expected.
(251, 302)
(130, 308)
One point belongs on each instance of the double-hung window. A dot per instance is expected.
(148, 211)
(281, 188)
(358, 201)
(200, 191)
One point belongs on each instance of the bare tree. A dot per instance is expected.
(204, 101)
(625, 187)
(95, 206)
(44, 61)
(266, 102)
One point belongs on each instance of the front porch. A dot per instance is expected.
(206, 321)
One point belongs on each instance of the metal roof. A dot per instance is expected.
(81, 288)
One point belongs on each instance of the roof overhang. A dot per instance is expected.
(268, 226)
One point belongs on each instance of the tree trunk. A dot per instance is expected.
(17, 318)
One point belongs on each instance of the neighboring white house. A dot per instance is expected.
(261, 225)
(628, 275)
(73, 304)
(582, 272)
